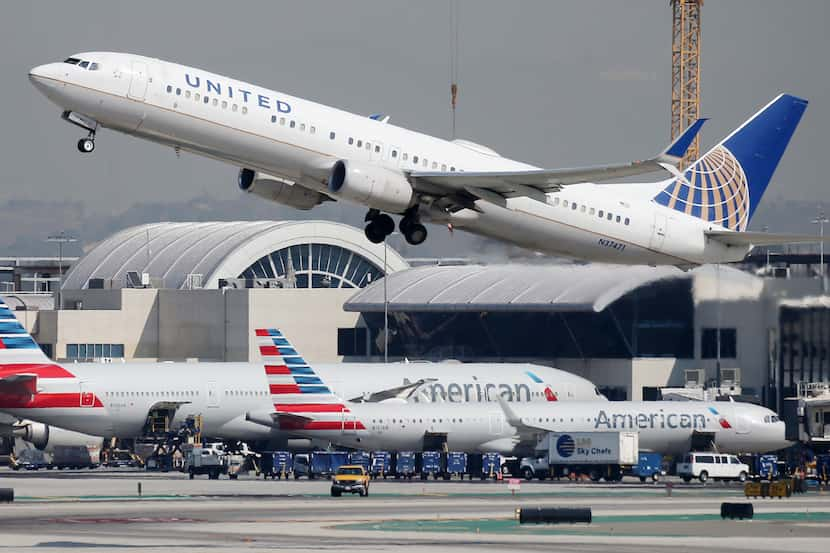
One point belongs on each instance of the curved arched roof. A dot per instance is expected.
(507, 287)
(172, 251)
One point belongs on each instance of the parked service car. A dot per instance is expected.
(704, 466)
(350, 479)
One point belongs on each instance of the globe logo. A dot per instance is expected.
(565, 446)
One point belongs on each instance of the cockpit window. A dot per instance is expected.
(84, 64)
(89, 65)
(72, 61)
(93, 66)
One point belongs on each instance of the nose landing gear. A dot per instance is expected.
(86, 145)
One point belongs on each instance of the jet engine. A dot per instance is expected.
(279, 190)
(33, 432)
(371, 186)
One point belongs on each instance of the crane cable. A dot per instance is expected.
(453, 60)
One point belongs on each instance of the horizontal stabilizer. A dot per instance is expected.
(19, 385)
(749, 239)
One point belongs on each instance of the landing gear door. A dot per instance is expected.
(658, 235)
(138, 81)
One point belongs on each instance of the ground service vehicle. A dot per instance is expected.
(206, 460)
(276, 464)
(432, 464)
(535, 467)
(649, 467)
(598, 454)
(350, 479)
(704, 466)
(381, 464)
(405, 464)
(456, 465)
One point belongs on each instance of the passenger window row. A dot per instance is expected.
(180, 393)
(294, 125)
(207, 100)
(602, 214)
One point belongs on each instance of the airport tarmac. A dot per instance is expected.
(102, 510)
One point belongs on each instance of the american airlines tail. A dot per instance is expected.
(302, 401)
(21, 359)
(725, 186)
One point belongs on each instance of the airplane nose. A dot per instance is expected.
(38, 72)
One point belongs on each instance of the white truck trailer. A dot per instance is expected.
(598, 454)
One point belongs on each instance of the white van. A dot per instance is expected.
(704, 466)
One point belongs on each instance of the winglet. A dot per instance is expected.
(510, 415)
(678, 148)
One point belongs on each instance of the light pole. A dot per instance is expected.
(386, 300)
(820, 221)
(61, 238)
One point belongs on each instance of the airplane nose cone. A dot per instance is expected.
(38, 73)
(47, 79)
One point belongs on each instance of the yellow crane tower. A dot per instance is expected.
(685, 70)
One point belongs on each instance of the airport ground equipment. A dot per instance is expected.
(362, 458)
(432, 464)
(554, 515)
(778, 488)
(206, 460)
(763, 467)
(490, 465)
(381, 465)
(649, 467)
(823, 468)
(76, 457)
(276, 464)
(598, 454)
(710, 465)
(318, 464)
(120, 458)
(807, 415)
(406, 464)
(741, 511)
(535, 467)
(350, 479)
(456, 465)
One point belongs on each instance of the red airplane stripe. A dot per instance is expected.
(46, 401)
(277, 369)
(269, 350)
(284, 389)
(310, 407)
(321, 425)
(262, 332)
(41, 370)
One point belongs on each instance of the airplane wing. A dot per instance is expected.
(734, 238)
(19, 385)
(535, 183)
(404, 392)
(528, 435)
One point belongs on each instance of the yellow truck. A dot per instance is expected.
(350, 479)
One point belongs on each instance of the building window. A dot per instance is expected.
(709, 343)
(351, 341)
(93, 351)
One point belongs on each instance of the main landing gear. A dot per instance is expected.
(381, 225)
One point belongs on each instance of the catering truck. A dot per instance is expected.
(600, 455)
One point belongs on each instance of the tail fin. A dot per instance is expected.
(726, 185)
(16, 344)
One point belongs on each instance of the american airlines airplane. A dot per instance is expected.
(236, 400)
(302, 153)
(510, 428)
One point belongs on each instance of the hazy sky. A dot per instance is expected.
(553, 83)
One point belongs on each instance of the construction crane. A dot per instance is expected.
(685, 71)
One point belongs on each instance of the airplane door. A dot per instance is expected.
(138, 81)
(376, 154)
(87, 396)
(212, 394)
(496, 423)
(348, 422)
(394, 155)
(658, 235)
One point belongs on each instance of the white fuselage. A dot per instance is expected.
(113, 400)
(665, 427)
(299, 140)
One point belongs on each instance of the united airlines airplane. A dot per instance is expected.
(302, 153)
(236, 400)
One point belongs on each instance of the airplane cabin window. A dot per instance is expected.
(84, 64)
(574, 206)
(178, 92)
(273, 118)
(582, 209)
(444, 167)
(351, 141)
(618, 218)
(564, 203)
(368, 147)
(244, 109)
(215, 102)
(601, 214)
(234, 107)
(452, 168)
(556, 201)
(169, 89)
(359, 143)
(610, 215)
(224, 104)
(592, 211)
(435, 165)
(187, 94)
(331, 135)
(207, 100)
(282, 121)
(394, 153)
(302, 127)
(72, 61)
(377, 149)
(415, 160)
(197, 96)
(426, 162)
(405, 156)
(312, 130)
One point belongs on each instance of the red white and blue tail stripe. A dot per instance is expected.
(16, 345)
(297, 390)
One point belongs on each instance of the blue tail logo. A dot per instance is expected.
(726, 185)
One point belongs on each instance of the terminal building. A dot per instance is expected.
(197, 291)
